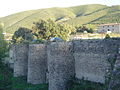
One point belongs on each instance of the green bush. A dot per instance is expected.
(107, 36)
(22, 35)
(82, 29)
(8, 82)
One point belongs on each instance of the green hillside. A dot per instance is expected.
(84, 14)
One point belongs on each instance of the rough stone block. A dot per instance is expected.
(60, 65)
(91, 58)
(21, 60)
(37, 64)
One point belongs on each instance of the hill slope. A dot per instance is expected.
(84, 14)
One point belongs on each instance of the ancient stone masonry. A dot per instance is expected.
(115, 80)
(11, 52)
(59, 62)
(60, 65)
(91, 58)
(37, 64)
(11, 56)
(21, 60)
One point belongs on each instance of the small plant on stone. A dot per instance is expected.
(107, 36)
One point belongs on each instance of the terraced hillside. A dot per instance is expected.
(84, 14)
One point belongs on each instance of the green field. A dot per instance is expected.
(8, 82)
(84, 14)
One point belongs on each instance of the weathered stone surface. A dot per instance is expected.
(37, 64)
(21, 60)
(12, 52)
(115, 80)
(91, 58)
(12, 56)
(86, 59)
(60, 65)
(10, 60)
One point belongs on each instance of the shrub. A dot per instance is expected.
(107, 36)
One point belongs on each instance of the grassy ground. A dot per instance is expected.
(5, 76)
(8, 82)
(86, 85)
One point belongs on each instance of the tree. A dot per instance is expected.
(3, 44)
(48, 29)
(22, 35)
(43, 30)
(81, 29)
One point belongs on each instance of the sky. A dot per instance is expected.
(8, 7)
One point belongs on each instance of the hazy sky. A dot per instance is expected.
(12, 6)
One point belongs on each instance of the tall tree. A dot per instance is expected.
(22, 35)
(48, 29)
(2, 42)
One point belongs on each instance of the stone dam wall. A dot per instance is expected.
(58, 62)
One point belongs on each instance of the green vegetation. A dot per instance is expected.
(3, 44)
(8, 82)
(82, 29)
(76, 16)
(48, 29)
(87, 85)
(22, 35)
(107, 36)
(5, 75)
(61, 25)
(43, 30)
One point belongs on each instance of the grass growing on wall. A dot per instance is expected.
(8, 82)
